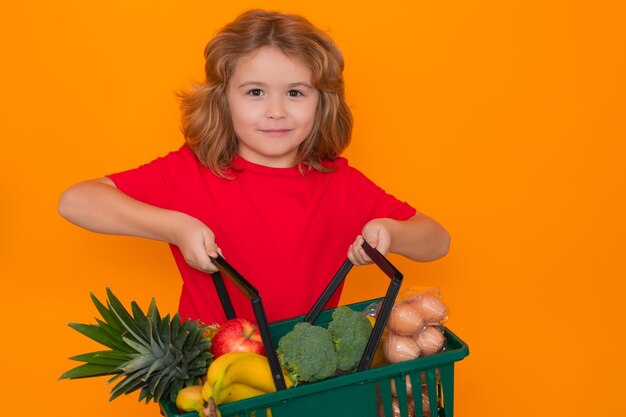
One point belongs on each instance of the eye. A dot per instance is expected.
(294, 93)
(255, 92)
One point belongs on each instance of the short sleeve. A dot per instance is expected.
(157, 182)
(375, 202)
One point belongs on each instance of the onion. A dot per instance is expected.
(425, 402)
(400, 348)
(395, 408)
(430, 341)
(409, 391)
(405, 320)
(431, 308)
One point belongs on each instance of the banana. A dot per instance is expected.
(252, 370)
(207, 391)
(219, 365)
(236, 392)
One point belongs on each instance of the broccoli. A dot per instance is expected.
(307, 353)
(350, 331)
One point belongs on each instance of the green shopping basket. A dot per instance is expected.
(364, 393)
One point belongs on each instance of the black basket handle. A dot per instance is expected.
(257, 306)
(385, 309)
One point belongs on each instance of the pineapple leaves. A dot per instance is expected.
(116, 336)
(177, 385)
(164, 330)
(164, 384)
(115, 378)
(105, 357)
(129, 384)
(88, 370)
(145, 394)
(126, 319)
(154, 355)
(140, 318)
(138, 347)
(107, 315)
(139, 363)
(153, 312)
(100, 335)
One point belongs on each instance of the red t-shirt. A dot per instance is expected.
(286, 232)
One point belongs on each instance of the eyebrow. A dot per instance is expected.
(262, 84)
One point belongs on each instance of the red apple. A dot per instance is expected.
(237, 335)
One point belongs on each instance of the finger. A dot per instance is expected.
(372, 236)
(209, 267)
(384, 243)
(205, 264)
(210, 246)
(358, 253)
(353, 255)
(204, 260)
(201, 262)
(211, 250)
(352, 252)
(358, 248)
(372, 241)
(365, 259)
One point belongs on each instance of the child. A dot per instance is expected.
(259, 178)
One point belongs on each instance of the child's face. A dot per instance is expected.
(272, 103)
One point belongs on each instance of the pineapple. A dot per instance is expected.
(147, 352)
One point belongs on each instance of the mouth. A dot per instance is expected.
(275, 132)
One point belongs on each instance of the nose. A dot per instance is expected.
(275, 109)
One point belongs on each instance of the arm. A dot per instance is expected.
(419, 238)
(98, 205)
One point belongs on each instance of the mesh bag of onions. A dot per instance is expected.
(414, 329)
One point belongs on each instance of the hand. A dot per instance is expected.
(377, 234)
(196, 242)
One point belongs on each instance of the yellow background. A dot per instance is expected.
(505, 120)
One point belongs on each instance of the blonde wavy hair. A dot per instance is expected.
(206, 120)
